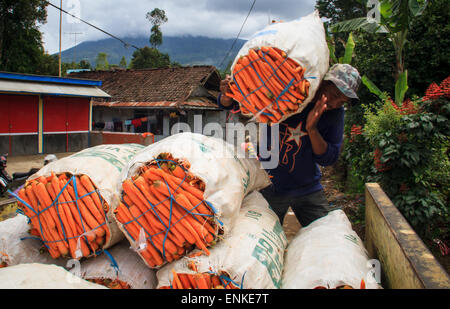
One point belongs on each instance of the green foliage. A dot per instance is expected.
(380, 120)
(123, 62)
(428, 47)
(157, 17)
(21, 47)
(149, 58)
(349, 48)
(102, 61)
(409, 154)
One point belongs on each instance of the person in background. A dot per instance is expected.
(307, 140)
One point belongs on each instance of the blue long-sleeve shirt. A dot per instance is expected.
(298, 173)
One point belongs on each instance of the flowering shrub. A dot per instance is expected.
(405, 149)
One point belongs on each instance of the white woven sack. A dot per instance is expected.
(228, 179)
(304, 41)
(130, 268)
(327, 253)
(17, 246)
(251, 254)
(41, 276)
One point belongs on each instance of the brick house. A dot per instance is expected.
(153, 100)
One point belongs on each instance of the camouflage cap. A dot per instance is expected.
(346, 78)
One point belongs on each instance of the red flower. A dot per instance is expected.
(403, 188)
(381, 167)
(433, 92)
(407, 107)
(445, 86)
(355, 130)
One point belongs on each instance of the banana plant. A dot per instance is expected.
(349, 49)
(395, 18)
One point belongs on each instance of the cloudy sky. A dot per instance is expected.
(125, 18)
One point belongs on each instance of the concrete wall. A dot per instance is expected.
(17, 145)
(57, 143)
(406, 263)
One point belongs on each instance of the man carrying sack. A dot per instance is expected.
(308, 139)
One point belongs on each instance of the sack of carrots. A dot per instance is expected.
(42, 276)
(70, 201)
(250, 257)
(117, 268)
(183, 192)
(278, 70)
(18, 244)
(327, 254)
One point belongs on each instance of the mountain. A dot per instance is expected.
(186, 50)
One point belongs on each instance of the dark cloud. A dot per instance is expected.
(124, 18)
(285, 9)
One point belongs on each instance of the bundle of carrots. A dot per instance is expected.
(200, 281)
(164, 205)
(268, 84)
(111, 284)
(67, 212)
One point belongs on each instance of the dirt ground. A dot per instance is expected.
(25, 163)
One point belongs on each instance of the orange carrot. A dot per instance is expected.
(185, 281)
(133, 228)
(67, 228)
(49, 215)
(89, 187)
(88, 201)
(91, 222)
(164, 209)
(75, 214)
(176, 280)
(201, 282)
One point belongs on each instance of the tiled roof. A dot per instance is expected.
(164, 104)
(154, 86)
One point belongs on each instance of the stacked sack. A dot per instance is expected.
(328, 254)
(118, 268)
(249, 257)
(18, 246)
(182, 193)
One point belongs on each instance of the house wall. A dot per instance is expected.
(32, 124)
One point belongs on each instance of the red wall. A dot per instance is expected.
(18, 114)
(63, 114)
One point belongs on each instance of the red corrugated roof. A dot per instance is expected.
(164, 104)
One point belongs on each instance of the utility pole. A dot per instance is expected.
(60, 34)
(75, 47)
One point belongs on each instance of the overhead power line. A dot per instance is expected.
(89, 24)
(242, 27)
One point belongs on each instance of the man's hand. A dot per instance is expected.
(224, 88)
(315, 114)
(318, 144)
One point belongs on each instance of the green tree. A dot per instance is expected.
(123, 62)
(149, 58)
(47, 65)
(21, 47)
(102, 61)
(395, 19)
(85, 64)
(428, 47)
(156, 17)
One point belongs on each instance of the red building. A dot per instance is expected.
(45, 114)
